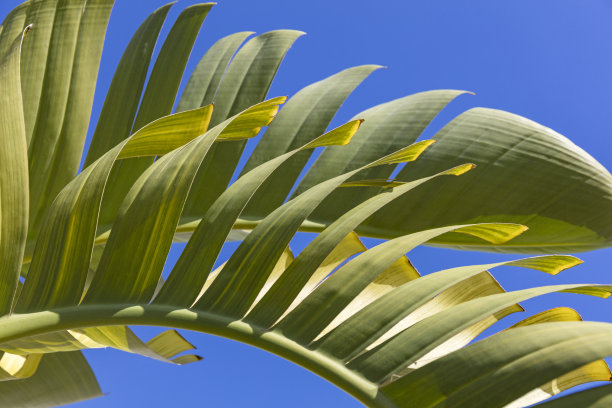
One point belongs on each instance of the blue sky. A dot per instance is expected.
(547, 60)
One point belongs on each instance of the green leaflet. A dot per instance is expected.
(121, 103)
(233, 293)
(34, 54)
(267, 311)
(349, 246)
(61, 258)
(400, 272)
(14, 193)
(245, 83)
(171, 132)
(311, 316)
(65, 101)
(379, 363)
(477, 286)
(596, 371)
(252, 69)
(191, 270)
(305, 116)
(61, 379)
(559, 314)
(388, 127)
(393, 125)
(157, 100)
(572, 216)
(204, 82)
(167, 73)
(376, 319)
(142, 234)
(67, 151)
(499, 364)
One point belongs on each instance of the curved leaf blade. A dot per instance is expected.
(141, 237)
(512, 154)
(61, 259)
(123, 97)
(387, 128)
(245, 83)
(14, 194)
(191, 270)
(204, 82)
(157, 100)
(283, 293)
(375, 320)
(60, 379)
(313, 314)
(379, 363)
(512, 363)
(34, 54)
(305, 116)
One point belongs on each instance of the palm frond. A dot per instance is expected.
(90, 246)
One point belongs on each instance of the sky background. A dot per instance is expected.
(547, 60)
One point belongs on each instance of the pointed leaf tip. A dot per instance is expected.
(494, 233)
(602, 291)
(459, 170)
(248, 123)
(339, 136)
(187, 359)
(559, 314)
(168, 133)
(552, 264)
(407, 154)
(279, 100)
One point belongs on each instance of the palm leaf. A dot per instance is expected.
(60, 379)
(91, 246)
(13, 176)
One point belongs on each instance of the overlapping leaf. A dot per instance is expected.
(14, 196)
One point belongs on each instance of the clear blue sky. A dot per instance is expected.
(549, 60)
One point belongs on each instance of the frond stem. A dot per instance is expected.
(31, 324)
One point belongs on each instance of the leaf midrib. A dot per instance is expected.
(31, 324)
